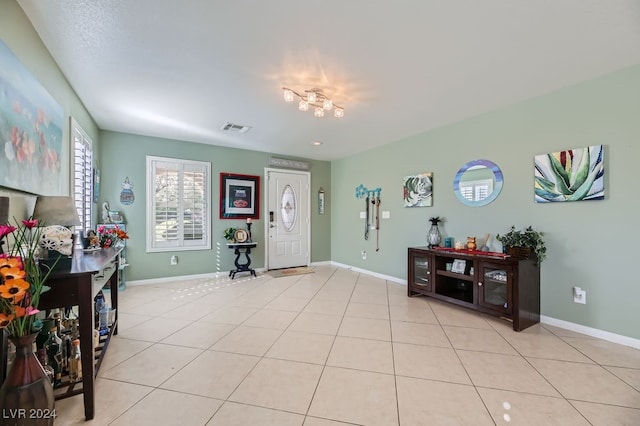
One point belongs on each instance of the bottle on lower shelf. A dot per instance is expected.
(75, 362)
(53, 347)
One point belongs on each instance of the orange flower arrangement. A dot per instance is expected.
(21, 280)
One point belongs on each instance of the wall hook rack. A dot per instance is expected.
(362, 191)
(372, 203)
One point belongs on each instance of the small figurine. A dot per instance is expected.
(94, 241)
(471, 243)
(105, 213)
(459, 245)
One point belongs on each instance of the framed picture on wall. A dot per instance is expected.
(239, 196)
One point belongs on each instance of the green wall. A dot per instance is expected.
(19, 35)
(124, 155)
(590, 244)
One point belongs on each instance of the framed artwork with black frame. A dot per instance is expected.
(239, 196)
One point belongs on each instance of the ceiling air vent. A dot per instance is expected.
(230, 127)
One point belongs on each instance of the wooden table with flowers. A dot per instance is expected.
(89, 273)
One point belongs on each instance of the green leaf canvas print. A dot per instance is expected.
(571, 175)
(418, 190)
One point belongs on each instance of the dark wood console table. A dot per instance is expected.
(242, 267)
(493, 283)
(89, 273)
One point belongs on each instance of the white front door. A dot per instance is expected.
(287, 218)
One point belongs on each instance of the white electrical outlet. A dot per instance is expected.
(386, 215)
(174, 260)
(364, 255)
(363, 215)
(579, 295)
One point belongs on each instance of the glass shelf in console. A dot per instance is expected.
(422, 272)
(494, 289)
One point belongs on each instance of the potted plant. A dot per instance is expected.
(528, 238)
(229, 234)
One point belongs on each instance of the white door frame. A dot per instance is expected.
(266, 211)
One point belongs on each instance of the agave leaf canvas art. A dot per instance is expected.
(418, 190)
(571, 175)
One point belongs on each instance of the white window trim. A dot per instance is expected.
(76, 131)
(181, 245)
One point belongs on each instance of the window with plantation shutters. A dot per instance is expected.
(178, 204)
(82, 174)
(476, 190)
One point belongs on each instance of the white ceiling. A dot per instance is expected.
(180, 69)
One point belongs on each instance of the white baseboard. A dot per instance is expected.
(326, 262)
(220, 274)
(593, 332)
(375, 274)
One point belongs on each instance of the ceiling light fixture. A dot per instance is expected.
(313, 98)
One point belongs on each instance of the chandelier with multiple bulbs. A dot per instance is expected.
(313, 98)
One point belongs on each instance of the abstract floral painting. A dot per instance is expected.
(30, 130)
(418, 190)
(571, 175)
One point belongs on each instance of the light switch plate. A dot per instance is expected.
(363, 215)
(386, 215)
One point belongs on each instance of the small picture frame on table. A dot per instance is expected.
(115, 216)
(458, 266)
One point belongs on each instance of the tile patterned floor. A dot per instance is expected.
(337, 347)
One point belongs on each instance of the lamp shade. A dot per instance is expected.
(52, 210)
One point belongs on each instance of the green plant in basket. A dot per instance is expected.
(229, 234)
(527, 238)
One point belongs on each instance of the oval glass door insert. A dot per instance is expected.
(289, 210)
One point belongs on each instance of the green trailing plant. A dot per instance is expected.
(528, 238)
(229, 234)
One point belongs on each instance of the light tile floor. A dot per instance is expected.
(338, 347)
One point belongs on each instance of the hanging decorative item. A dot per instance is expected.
(126, 195)
(96, 185)
(372, 202)
(321, 201)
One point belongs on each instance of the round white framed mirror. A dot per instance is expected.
(478, 183)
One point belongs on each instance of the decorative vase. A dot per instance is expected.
(433, 236)
(26, 396)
